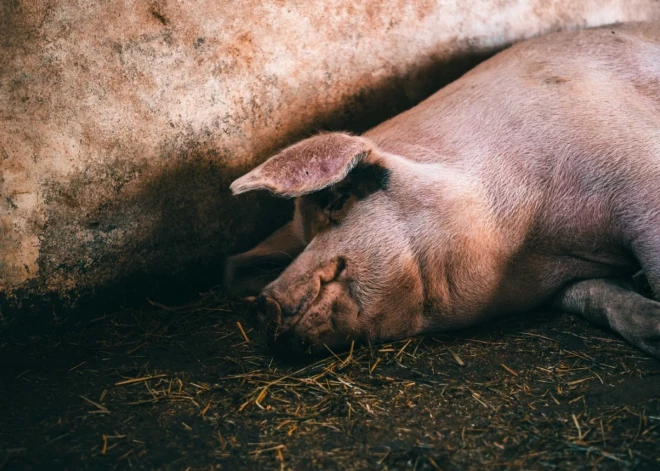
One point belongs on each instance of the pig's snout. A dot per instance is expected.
(269, 314)
(305, 310)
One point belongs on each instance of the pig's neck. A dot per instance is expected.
(461, 248)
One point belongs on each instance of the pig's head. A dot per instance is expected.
(350, 271)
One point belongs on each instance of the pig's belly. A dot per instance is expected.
(532, 281)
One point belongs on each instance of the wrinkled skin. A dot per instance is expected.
(533, 179)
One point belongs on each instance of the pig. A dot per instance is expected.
(533, 180)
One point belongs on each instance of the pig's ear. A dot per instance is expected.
(307, 166)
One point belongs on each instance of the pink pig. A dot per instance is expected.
(534, 179)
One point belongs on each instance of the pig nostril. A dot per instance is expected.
(273, 310)
(269, 308)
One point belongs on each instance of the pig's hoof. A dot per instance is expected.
(641, 327)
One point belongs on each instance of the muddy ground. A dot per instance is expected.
(191, 388)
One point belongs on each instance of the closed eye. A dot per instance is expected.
(338, 204)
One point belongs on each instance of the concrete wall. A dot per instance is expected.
(122, 122)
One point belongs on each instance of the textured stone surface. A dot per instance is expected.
(122, 123)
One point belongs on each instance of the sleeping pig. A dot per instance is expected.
(534, 179)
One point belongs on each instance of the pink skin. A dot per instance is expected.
(532, 179)
(332, 293)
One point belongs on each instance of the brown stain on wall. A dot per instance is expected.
(122, 123)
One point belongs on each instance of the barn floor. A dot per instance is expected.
(182, 388)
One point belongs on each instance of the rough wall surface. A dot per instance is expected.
(121, 123)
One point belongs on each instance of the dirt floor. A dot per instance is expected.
(193, 387)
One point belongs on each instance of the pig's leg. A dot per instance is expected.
(612, 303)
(246, 274)
(647, 251)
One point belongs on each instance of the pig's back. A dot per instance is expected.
(541, 102)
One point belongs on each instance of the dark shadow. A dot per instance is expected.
(195, 222)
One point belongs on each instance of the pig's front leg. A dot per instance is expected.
(613, 303)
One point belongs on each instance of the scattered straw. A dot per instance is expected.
(192, 381)
(456, 357)
(101, 409)
(508, 369)
(138, 380)
(240, 327)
